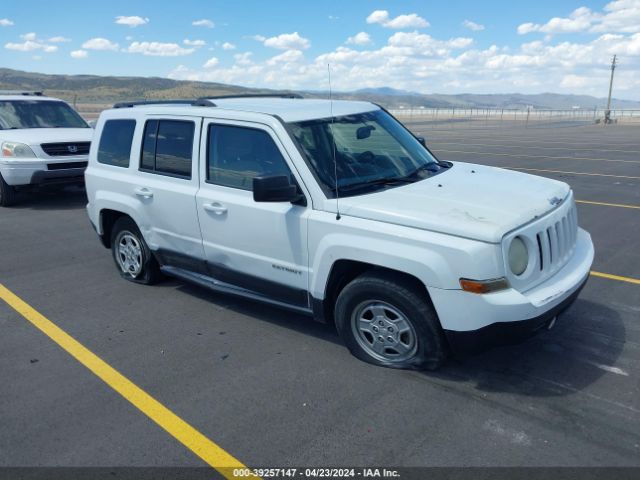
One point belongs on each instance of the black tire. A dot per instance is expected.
(400, 300)
(7, 194)
(125, 230)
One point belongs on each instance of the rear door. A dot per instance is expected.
(258, 246)
(165, 185)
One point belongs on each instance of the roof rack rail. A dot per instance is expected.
(255, 95)
(21, 92)
(201, 102)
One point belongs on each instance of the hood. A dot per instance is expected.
(471, 201)
(36, 136)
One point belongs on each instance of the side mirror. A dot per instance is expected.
(422, 141)
(274, 188)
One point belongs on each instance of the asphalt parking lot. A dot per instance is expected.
(275, 389)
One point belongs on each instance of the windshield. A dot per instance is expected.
(372, 151)
(17, 114)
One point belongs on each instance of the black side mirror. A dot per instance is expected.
(422, 141)
(274, 188)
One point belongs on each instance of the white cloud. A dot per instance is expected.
(158, 49)
(100, 44)
(288, 57)
(194, 43)
(574, 81)
(580, 20)
(134, 21)
(400, 22)
(59, 40)
(243, 58)
(203, 23)
(287, 41)
(361, 38)
(30, 44)
(415, 61)
(228, 46)
(79, 54)
(476, 27)
(5, 22)
(257, 38)
(621, 16)
(212, 62)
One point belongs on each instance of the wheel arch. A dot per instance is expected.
(108, 218)
(344, 271)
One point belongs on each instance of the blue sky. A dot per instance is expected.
(431, 47)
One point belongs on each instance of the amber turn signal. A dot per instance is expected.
(483, 286)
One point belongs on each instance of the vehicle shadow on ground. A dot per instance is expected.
(60, 198)
(277, 316)
(584, 346)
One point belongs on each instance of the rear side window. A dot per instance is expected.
(167, 148)
(115, 142)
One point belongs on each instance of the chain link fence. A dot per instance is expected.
(504, 116)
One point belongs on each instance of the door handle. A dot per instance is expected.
(215, 207)
(143, 192)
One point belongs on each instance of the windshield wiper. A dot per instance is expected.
(373, 183)
(427, 167)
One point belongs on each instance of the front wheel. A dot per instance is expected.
(131, 253)
(389, 322)
(7, 194)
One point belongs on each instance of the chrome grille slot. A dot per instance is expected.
(555, 243)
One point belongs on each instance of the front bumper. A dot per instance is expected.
(507, 333)
(39, 171)
(474, 322)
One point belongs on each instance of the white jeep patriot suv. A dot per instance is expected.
(337, 211)
(42, 141)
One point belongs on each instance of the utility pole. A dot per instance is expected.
(607, 112)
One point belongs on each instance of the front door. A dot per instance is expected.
(261, 247)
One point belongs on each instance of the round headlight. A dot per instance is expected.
(518, 256)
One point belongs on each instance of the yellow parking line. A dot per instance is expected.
(616, 277)
(191, 438)
(620, 205)
(572, 173)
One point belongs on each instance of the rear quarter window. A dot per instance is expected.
(167, 148)
(115, 142)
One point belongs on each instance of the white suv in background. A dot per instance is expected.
(42, 141)
(335, 210)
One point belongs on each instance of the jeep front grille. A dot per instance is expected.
(556, 242)
(550, 242)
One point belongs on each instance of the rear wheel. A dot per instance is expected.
(389, 322)
(131, 253)
(7, 194)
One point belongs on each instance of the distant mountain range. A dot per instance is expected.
(104, 90)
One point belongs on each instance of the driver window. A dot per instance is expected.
(235, 155)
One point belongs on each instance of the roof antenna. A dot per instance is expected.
(333, 142)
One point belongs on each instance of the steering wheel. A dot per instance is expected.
(366, 157)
